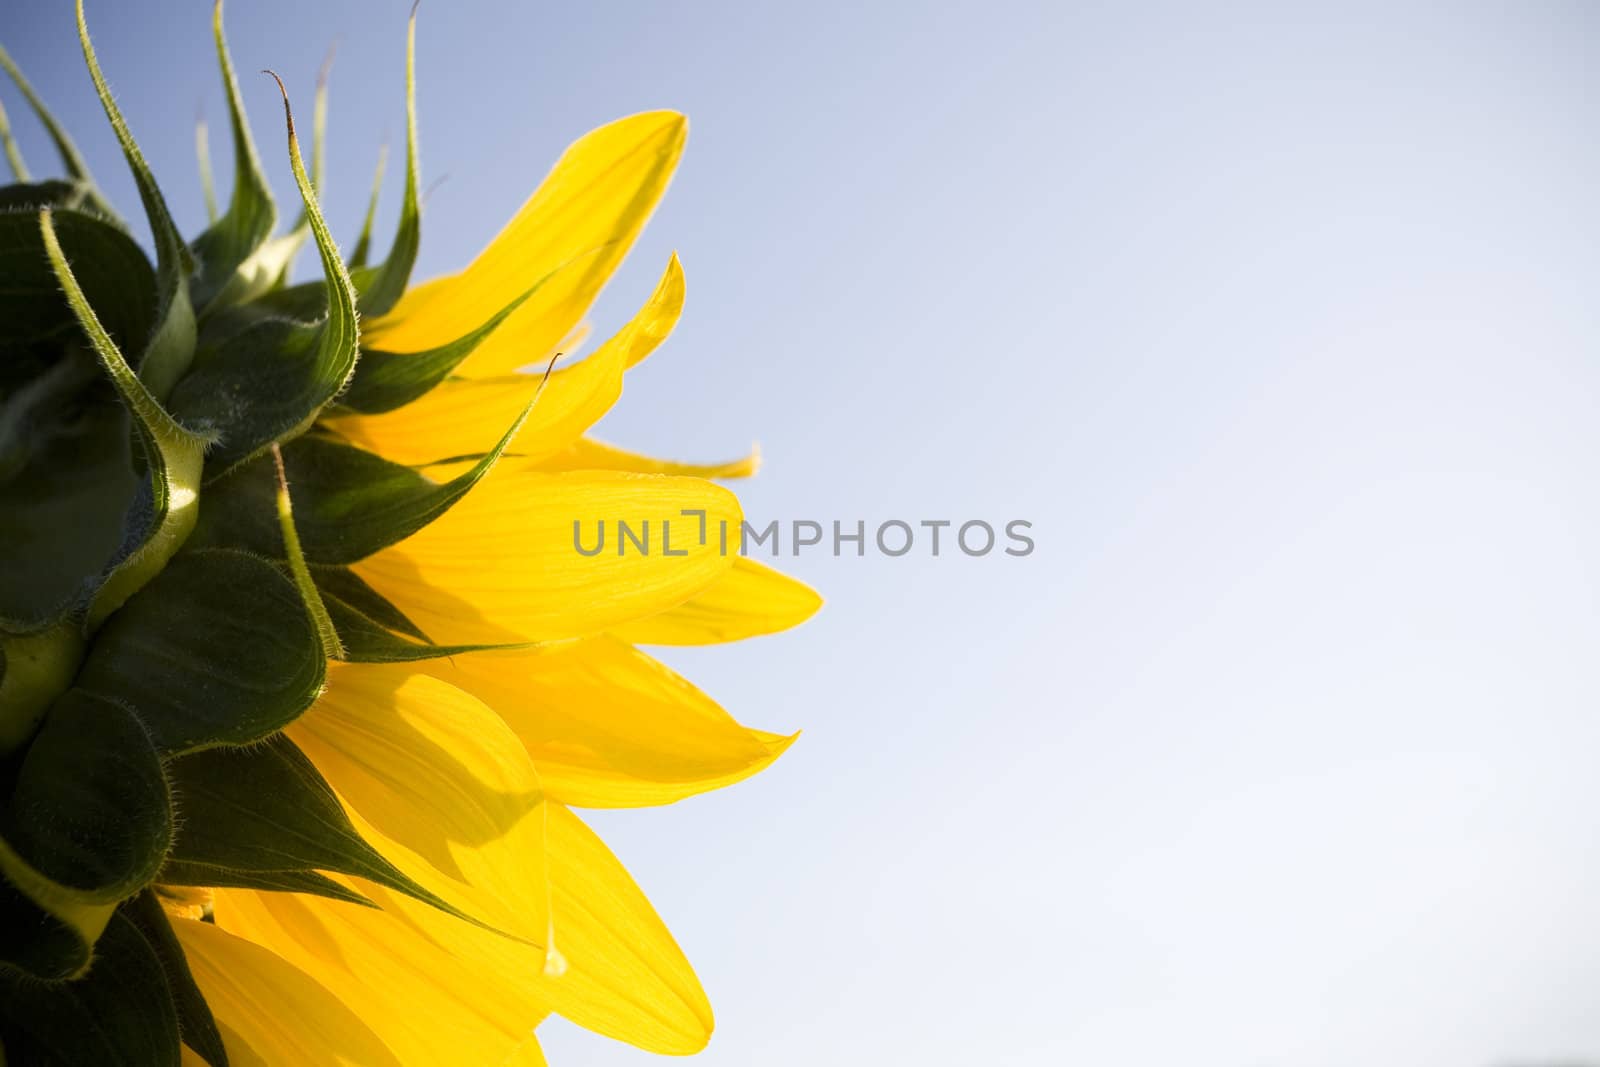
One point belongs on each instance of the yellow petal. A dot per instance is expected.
(610, 727)
(463, 416)
(437, 783)
(504, 563)
(270, 1013)
(625, 977)
(587, 454)
(581, 220)
(750, 599)
(431, 1006)
(528, 1055)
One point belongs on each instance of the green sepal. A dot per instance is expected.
(348, 503)
(346, 585)
(173, 456)
(197, 1027)
(71, 159)
(36, 666)
(364, 640)
(216, 650)
(87, 823)
(53, 192)
(363, 246)
(382, 287)
(282, 256)
(268, 382)
(35, 943)
(225, 248)
(116, 278)
(267, 809)
(121, 1014)
(320, 885)
(20, 172)
(89, 807)
(171, 347)
(384, 381)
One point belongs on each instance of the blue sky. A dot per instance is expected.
(1279, 326)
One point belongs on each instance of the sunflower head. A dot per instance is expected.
(302, 663)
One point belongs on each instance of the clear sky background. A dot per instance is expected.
(1278, 322)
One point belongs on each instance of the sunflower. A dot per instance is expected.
(301, 675)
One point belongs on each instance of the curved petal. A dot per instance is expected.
(508, 562)
(610, 727)
(750, 599)
(466, 416)
(270, 1013)
(624, 978)
(437, 783)
(587, 454)
(431, 1006)
(584, 217)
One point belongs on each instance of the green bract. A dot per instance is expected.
(165, 608)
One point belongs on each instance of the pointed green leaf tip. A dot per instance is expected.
(169, 351)
(382, 287)
(71, 159)
(19, 169)
(202, 155)
(303, 581)
(225, 249)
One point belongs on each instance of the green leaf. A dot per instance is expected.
(196, 1025)
(87, 823)
(89, 809)
(346, 585)
(170, 349)
(364, 640)
(299, 570)
(217, 650)
(202, 155)
(283, 256)
(36, 666)
(52, 192)
(382, 288)
(349, 503)
(71, 159)
(269, 382)
(173, 455)
(223, 249)
(198, 874)
(267, 809)
(36, 943)
(116, 278)
(384, 381)
(120, 1015)
(363, 246)
(19, 171)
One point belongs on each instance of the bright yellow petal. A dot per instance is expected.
(436, 782)
(580, 221)
(504, 563)
(610, 727)
(587, 454)
(432, 1007)
(625, 976)
(528, 1055)
(270, 1013)
(464, 416)
(750, 599)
